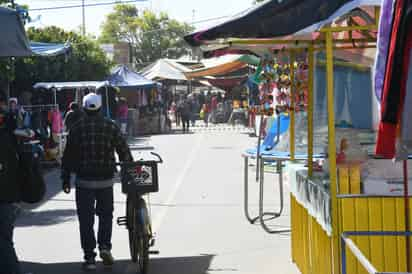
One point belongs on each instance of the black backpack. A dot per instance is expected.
(9, 168)
(32, 184)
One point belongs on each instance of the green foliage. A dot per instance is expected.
(85, 62)
(5, 3)
(151, 36)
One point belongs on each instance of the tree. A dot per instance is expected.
(86, 61)
(151, 36)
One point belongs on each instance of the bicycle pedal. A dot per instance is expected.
(122, 221)
(154, 252)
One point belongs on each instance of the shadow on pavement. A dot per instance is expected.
(181, 265)
(178, 132)
(45, 218)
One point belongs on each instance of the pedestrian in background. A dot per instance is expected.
(186, 113)
(122, 115)
(213, 108)
(194, 109)
(14, 116)
(73, 116)
(89, 154)
(206, 110)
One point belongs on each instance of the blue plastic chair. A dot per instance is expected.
(271, 138)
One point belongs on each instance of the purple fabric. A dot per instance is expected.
(384, 37)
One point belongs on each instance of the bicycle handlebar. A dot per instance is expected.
(158, 156)
(142, 161)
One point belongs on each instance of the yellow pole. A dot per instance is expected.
(377, 16)
(332, 151)
(310, 109)
(292, 106)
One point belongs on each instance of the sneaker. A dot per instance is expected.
(89, 265)
(107, 257)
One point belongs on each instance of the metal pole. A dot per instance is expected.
(107, 102)
(84, 19)
(258, 159)
(332, 150)
(55, 96)
(292, 106)
(246, 190)
(407, 226)
(274, 215)
(310, 110)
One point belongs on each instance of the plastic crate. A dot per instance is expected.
(131, 183)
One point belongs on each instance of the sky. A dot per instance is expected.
(183, 10)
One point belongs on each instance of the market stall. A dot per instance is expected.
(344, 220)
(14, 43)
(145, 98)
(50, 102)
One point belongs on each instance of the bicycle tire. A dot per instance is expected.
(131, 213)
(143, 239)
(143, 257)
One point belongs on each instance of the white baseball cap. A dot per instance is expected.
(92, 101)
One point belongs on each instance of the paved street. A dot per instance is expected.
(197, 216)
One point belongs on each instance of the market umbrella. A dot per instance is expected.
(223, 65)
(165, 69)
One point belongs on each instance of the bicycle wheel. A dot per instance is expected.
(144, 236)
(131, 213)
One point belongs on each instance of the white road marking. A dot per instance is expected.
(180, 179)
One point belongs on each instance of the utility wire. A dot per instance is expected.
(211, 19)
(87, 5)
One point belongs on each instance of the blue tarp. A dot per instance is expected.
(353, 97)
(123, 77)
(49, 49)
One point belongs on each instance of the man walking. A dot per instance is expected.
(90, 155)
(186, 115)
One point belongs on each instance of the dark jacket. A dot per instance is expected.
(9, 185)
(72, 118)
(90, 149)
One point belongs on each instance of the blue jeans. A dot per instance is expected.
(9, 263)
(91, 202)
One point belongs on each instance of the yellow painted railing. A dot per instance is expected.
(312, 247)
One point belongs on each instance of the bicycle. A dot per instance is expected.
(139, 178)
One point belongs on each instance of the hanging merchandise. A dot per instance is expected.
(394, 85)
(384, 39)
(275, 85)
(57, 124)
